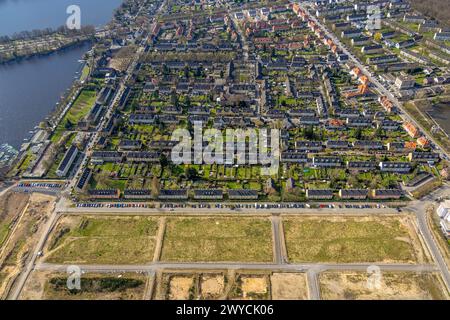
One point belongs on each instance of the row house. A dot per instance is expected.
(125, 145)
(388, 125)
(208, 194)
(337, 144)
(424, 157)
(309, 146)
(99, 157)
(353, 194)
(397, 167)
(294, 157)
(175, 194)
(326, 162)
(242, 194)
(103, 194)
(136, 118)
(386, 194)
(319, 194)
(368, 145)
(137, 194)
(359, 122)
(364, 166)
(142, 156)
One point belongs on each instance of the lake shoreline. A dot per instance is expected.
(18, 60)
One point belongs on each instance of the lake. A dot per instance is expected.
(26, 15)
(30, 88)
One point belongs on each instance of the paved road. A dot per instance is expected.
(313, 284)
(277, 240)
(156, 266)
(206, 211)
(312, 270)
(374, 80)
(419, 208)
(30, 266)
(4, 191)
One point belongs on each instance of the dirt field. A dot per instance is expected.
(174, 285)
(22, 238)
(217, 239)
(338, 239)
(50, 286)
(11, 206)
(212, 286)
(181, 287)
(289, 286)
(231, 284)
(251, 287)
(106, 239)
(391, 286)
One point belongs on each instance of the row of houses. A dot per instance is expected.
(368, 145)
(337, 162)
(240, 194)
(354, 194)
(174, 194)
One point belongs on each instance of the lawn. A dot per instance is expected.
(352, 240)
(80, 108)
(217, 239)
(108, 240)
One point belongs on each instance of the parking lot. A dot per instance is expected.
(234, 206)
(46, 187)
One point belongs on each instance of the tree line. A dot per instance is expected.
(35, 34)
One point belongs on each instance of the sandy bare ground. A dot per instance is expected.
(180, 287)
(23, 237)
(251, 287)
(386, 286)
(212, 286)
(289, 286)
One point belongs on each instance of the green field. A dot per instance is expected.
(80, 108)
(351, 240)
(217, 239)
(108, 240)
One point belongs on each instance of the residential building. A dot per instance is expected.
(67, 161)
(83, 182)
(353, 194)
(411, 129)
(319, 194)
(104, 194)
(386, 194)
(423, 157)
(173, 194)
(242, 194)
(208, 194)
(361, 166)
(397, 167)
(308, 146)
(405, 83)
(323, 162)
(137, 194)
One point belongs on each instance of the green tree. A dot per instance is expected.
(191, 174)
